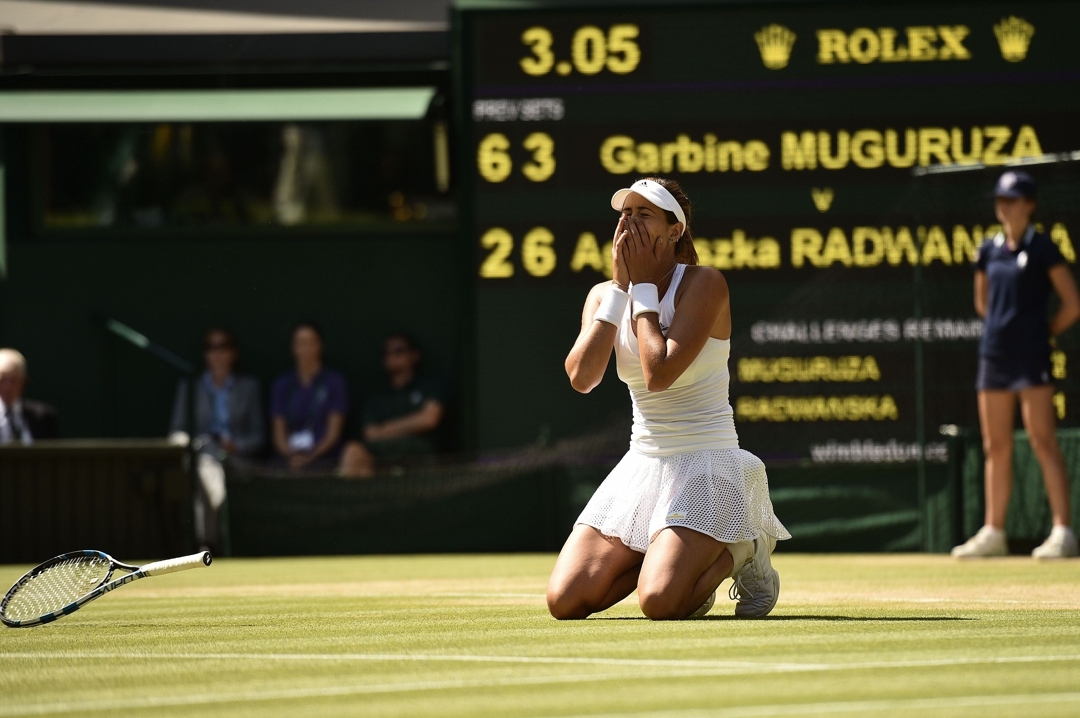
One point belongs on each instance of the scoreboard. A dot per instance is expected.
(798, 131)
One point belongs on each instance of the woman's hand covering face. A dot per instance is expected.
(619, 273)
(643, 254)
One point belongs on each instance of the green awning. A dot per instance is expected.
(389, 103)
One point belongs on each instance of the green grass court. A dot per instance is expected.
(873, 635)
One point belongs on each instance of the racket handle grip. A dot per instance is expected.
(195, 560)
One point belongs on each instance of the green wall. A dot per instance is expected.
(524, 396)
(357, 287)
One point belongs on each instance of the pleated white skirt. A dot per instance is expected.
(721, 493)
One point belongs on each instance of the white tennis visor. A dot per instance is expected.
(655, 193)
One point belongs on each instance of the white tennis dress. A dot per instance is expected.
(684, 466)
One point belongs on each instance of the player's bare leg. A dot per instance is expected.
(682, 569)
(593, 573)
(997, 414)
(1037, 411)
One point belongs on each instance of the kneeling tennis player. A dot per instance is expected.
(686, 507)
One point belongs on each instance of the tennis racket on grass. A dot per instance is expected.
(63, 585)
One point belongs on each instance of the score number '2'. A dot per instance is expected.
(537, 253)
(495, 164)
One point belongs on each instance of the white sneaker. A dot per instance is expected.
(705, 607)
(989, 541)
(756, 585)
(1061, 544)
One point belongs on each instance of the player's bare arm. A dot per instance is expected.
(589, 357)
(981, 290)
(704, 310)
(1065, 286)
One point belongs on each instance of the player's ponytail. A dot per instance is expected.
(684, 247)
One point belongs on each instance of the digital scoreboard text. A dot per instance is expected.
(795, 131)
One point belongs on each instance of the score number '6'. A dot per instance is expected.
(494, 162)
(537, 253)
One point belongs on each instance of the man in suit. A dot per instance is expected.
(22, 421)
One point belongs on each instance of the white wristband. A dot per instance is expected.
(612, 306)
(646, 299)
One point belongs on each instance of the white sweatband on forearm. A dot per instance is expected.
(646, 299)
(612, 306)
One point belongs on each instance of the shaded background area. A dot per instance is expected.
(172, 290)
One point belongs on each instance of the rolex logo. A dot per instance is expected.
(775, 42)
(1014, 35)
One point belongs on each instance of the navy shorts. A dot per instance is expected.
(1012, 374)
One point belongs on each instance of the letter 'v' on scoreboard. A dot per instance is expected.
(796, 130)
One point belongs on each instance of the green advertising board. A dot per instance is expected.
(798, 131)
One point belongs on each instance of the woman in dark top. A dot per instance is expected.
(1014, 273)
(309, 406)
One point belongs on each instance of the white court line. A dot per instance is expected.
(426, 658)
(338, 691)
(787, 709)
(731, 667)
(1010, 601)
(463, 594)
(297, 693)
(843, 601)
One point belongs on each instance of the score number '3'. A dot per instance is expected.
(495, 164)
(590, 50)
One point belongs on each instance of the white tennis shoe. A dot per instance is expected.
(705, 607)
(756, 586)
(1061, 544)
(989, 541)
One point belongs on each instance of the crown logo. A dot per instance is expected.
(775, 42)
(822, 198)
(1014, 35)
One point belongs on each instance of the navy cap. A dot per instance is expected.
(1014, 184)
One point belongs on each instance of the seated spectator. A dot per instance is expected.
(309, 406)
(21, 420)
(229, 423)
(399, 424)
(229, 417)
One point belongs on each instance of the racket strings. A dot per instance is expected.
(56, 587)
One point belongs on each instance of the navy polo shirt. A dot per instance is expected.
(1016, 310)
(396, 403)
